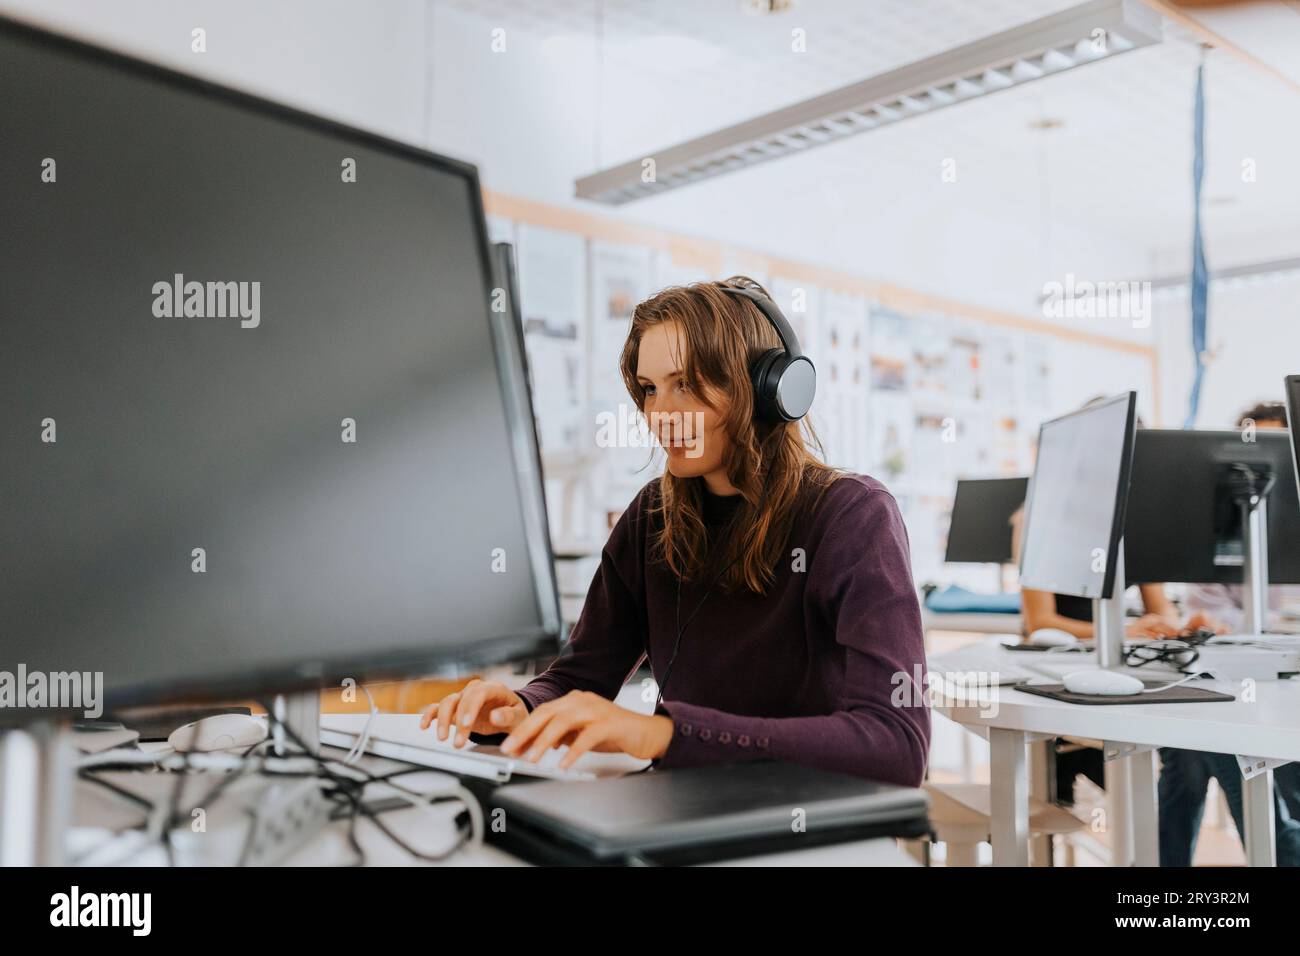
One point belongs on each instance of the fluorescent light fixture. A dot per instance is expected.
(1086, 33)
(1232, 276)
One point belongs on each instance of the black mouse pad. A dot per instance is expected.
(1183, 694)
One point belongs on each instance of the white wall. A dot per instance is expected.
(362, 64)
(1254, 338)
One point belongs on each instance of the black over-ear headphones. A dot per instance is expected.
(784, 379)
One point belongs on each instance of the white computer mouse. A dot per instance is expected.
(218, 732)
(1052, 637)
(1102, 683)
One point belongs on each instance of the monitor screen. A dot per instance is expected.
(255, 431)
(1075, 514)
(981, 528)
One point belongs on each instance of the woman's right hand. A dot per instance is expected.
(480, 707)
(1201, 620)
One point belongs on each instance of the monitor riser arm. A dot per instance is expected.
(1254, 568)
(300, 713)
(37, 780)
(1108, 619)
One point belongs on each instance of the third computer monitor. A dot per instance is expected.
(1075, 512)
(1182, 523)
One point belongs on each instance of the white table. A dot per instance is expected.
(1267, 729)
(431, 829)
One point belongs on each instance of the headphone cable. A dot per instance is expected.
(681, 628)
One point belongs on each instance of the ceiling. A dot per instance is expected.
(1106, 194)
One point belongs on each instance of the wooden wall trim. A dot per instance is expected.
(711, 255)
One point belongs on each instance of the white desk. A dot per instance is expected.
(424, 828)
(415, 826)
(430, 829)
(1267, 728)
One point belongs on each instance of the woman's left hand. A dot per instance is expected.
(587, 721)
(1153, 626)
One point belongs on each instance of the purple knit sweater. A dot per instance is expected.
(822, 669)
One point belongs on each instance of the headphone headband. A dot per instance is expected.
(774, 315)
(784, 379)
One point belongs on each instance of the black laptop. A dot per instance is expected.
(700, 814)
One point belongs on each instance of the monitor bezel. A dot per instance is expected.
(290, 677)
(516, 384)
(1291, 389)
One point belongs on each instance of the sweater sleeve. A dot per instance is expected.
(1219, 602)
(607, 642)
(860, 587)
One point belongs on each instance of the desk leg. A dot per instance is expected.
(1145, 819)
(1119, 811)
(1009, 797)
(1041, 770)
(1257, 806)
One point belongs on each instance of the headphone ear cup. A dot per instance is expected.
(765, 375)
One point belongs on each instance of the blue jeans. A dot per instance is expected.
(1184, 777)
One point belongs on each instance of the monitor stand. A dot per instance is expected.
(301, 714)
(1254, 566)
(1108, 619)
(1249, 489)
(37, 777)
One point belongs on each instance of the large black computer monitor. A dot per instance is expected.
(256, 430)
(1293, 423)
(980, 531)
(1075, 512)
(1182, 523)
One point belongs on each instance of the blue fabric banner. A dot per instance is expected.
(1200, 280)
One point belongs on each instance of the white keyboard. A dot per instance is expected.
(399, 737)
(979, 660)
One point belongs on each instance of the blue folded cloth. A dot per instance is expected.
(958, 600)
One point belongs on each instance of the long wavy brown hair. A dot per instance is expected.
(772, 464)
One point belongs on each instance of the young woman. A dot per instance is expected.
(772, 595)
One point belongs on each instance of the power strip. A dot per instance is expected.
(255, 822)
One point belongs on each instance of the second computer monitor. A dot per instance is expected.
(981, 530)
(1075, 513)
